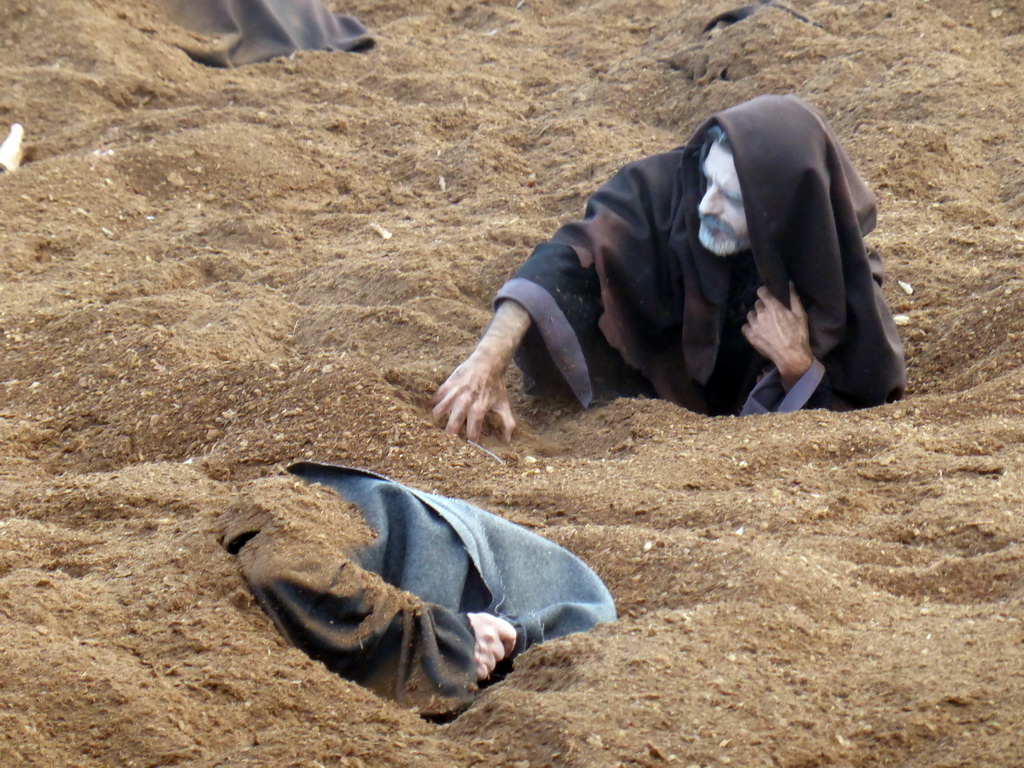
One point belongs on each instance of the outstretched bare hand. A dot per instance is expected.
(781, 334)
(495, 639)
(475, 389)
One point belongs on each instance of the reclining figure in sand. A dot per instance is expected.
(444, 596)
(233, 33)
(729, 276)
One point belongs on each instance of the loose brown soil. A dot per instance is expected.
(192, 294)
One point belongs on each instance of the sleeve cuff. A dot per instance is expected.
(556, 332)
(769, 396)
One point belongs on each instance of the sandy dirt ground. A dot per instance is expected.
(193, 293)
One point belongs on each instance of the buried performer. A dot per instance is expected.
(233, 33)
(442, 598)
(729, 276)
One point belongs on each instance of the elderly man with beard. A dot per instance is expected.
(729, 276)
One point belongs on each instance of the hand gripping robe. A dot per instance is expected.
(628, 302)
(391, 615)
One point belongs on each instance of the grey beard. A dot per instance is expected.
(719, 238)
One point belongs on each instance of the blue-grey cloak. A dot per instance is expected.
(408, 638)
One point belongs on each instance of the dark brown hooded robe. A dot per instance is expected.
(628, 302)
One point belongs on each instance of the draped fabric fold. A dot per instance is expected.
(243, 32)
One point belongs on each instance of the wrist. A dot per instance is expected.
(493, 357)
(503, 335)
(791, 371)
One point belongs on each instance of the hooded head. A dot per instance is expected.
(723, 220)
(806, 210)
(806, 207)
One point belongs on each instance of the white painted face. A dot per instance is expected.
(723, 221)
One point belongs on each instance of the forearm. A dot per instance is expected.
(504, 334)
(372, 633)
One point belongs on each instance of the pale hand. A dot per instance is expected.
(495, 639)
(475, 389)
(781, 334)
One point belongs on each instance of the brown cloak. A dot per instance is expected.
(664, 297)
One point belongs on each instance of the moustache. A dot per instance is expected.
(715, 226)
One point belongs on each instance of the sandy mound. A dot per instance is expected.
(193, 294)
